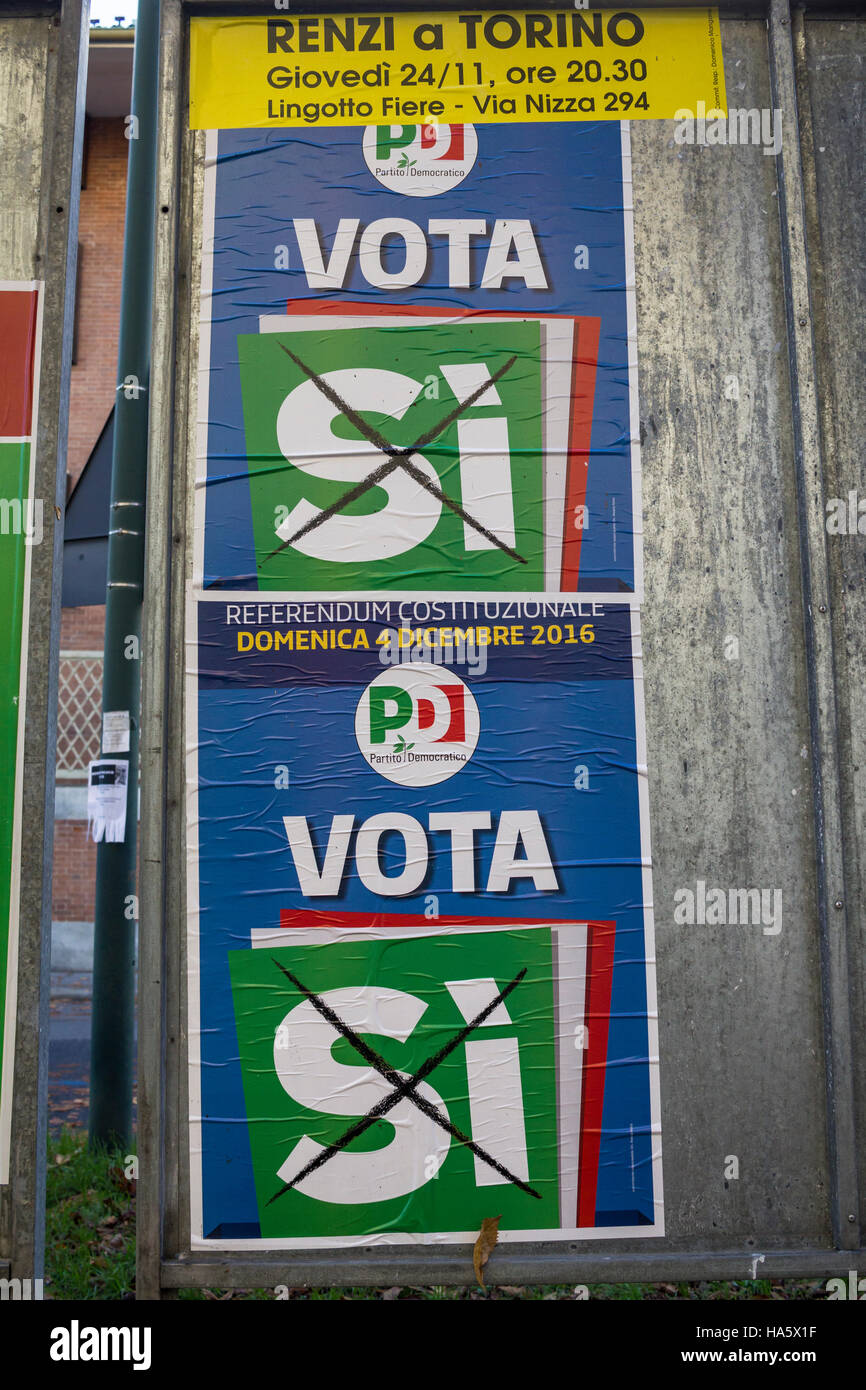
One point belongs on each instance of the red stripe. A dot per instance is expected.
(599, 980)
(582, 403)
(321, 917)
(358, 307)
(18, 310)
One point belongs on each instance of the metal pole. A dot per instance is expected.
(111, 1043)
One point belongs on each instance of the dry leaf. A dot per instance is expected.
(118, 1176)
(62, 1158)
(485, 1245)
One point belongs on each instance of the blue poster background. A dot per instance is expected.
(567, 179)
(544, 711)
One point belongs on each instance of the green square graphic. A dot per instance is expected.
(418, 978)
(404, 382)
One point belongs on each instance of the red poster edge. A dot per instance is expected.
(19, 317)
(599, 985)
(299, 917)
(588, 332)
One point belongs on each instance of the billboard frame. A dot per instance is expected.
(166, 1262)
(52, 263)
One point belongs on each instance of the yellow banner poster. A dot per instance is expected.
(479, 67)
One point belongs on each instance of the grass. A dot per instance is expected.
(90, 1222)
(90, 1251)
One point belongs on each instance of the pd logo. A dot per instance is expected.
(420, 160)
(417, 725)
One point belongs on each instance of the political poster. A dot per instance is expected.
(420, 944)
(21, 524)
(418, 361)
(421, 984)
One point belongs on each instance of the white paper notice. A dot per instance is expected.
(106, 799)
(115, 731)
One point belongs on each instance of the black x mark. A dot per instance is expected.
(397, 458)
(403, 1089)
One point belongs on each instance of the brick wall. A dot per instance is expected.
(92, 391)
(100, 237)
(82, 629)
(74, 881)
(74, 872)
